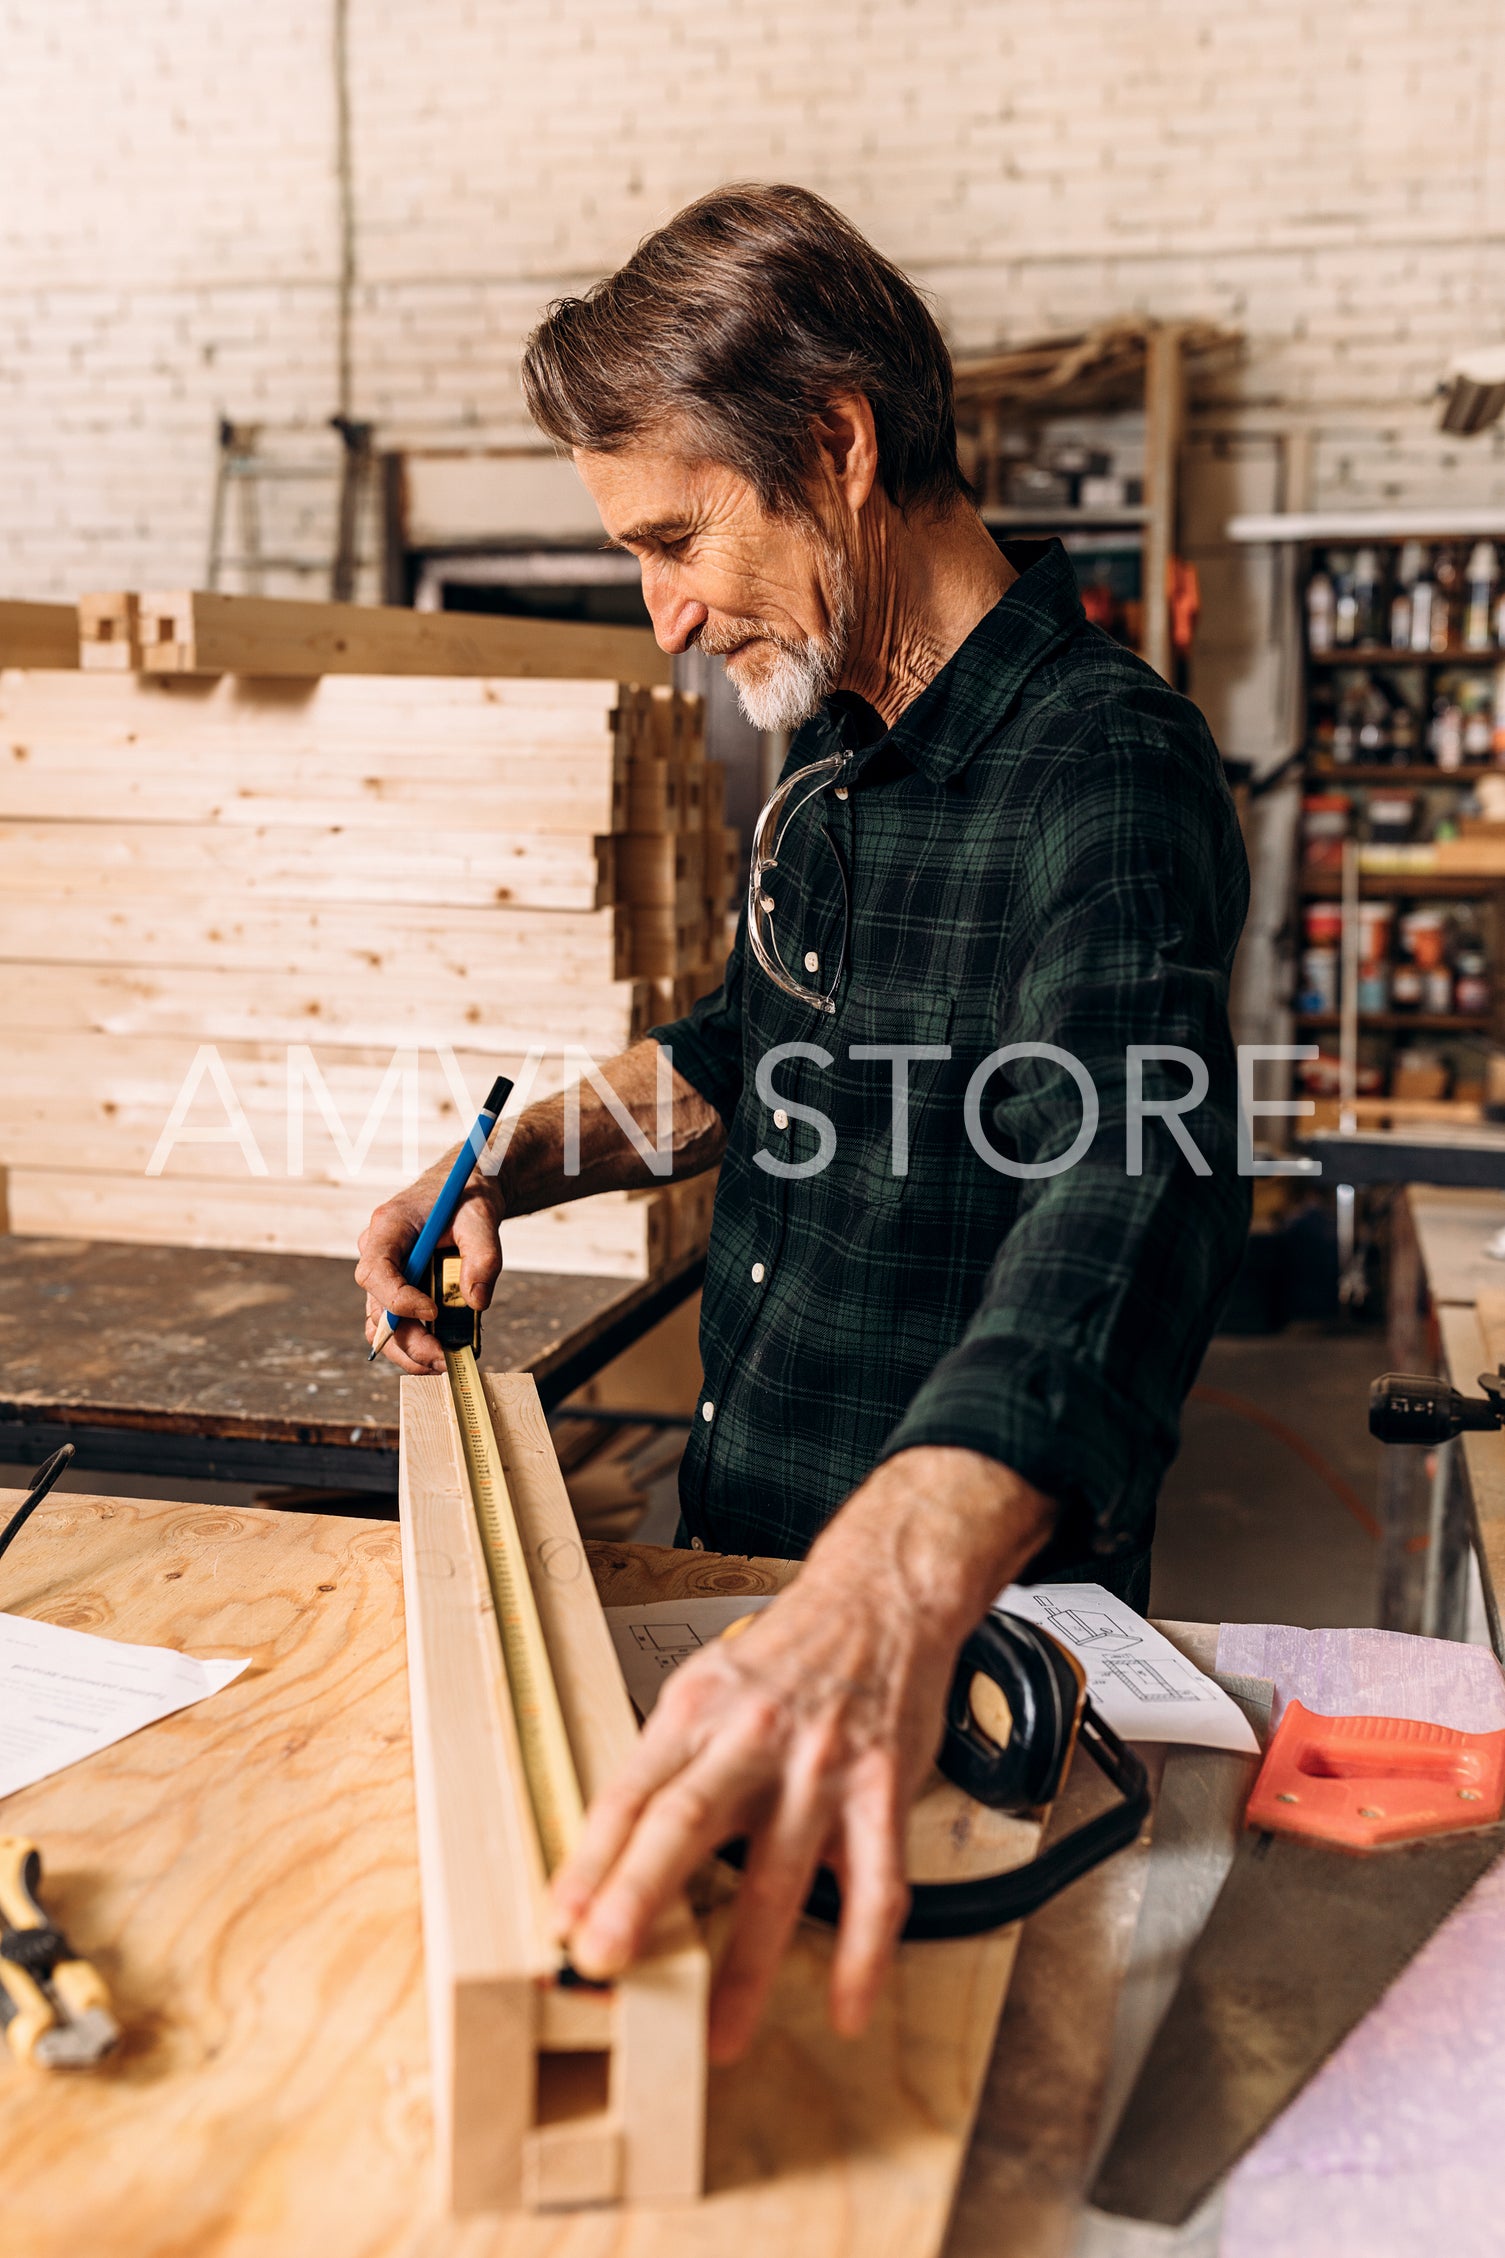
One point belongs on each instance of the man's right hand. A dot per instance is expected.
(387, 1241)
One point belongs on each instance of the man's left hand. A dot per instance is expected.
(810, 1734)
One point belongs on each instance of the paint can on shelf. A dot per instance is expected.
(1319, 980)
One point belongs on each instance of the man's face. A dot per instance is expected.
(770, 595)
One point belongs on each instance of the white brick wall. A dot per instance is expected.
(1330, 178)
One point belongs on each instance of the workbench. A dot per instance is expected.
(1439, 1272)
(245, 1876)
(199, 1365)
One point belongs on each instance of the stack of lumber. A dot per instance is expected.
(262, 861)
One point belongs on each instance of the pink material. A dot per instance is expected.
(1370, 1674)
(1394, 2149)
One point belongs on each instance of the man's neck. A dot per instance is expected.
(921, 586)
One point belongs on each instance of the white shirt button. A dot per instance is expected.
(708, 1411)
(841, 791)
(812, 961)
(758, 1273)
(780, 1118)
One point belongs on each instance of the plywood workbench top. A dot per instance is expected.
(245, 1876)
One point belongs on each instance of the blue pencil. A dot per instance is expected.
(442, 1213)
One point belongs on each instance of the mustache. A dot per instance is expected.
(716, 641)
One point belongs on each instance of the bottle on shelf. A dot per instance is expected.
(1447, 601)
(1345, 739)
(1471, 983)
(1483, 581)
(1319, 614)
(1445, 734)
(1477, 707)
(1345, 604)
(1407, 573)
(1373, 724)
(1366, 598)
(1423, 604)
(1499, 722)
(1403, 733)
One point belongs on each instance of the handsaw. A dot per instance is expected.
(1361, 1835)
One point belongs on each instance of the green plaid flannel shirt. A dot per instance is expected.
(1041, 850)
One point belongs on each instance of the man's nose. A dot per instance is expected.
(676, 617)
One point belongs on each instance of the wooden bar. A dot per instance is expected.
(194, 632)
(491, 1011)
(38, 634)
(666, 942)
(109, 633)
(664, 796)
(664, 872)
(564, 2136)
(221, 749)
(307, 863)
(485, 1932)
(425, 941)
(612, 1235)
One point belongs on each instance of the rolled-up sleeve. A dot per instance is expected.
(1099, 1306)
(706, 1045)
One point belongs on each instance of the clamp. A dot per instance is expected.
(1415, 1407)
(54, 2007)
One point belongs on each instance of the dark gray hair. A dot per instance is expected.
(744, 317)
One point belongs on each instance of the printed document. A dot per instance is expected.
(63, 1694)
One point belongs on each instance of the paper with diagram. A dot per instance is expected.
(1137, 1680)
(1139, 1683)
(654, 1639)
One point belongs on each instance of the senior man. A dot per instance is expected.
(947, 1326)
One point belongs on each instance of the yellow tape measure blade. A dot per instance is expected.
(548, 1761)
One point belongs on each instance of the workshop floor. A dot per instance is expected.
(1261, 1518)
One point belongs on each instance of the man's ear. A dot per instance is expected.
(847, 439)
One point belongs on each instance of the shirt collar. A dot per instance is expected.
(953, 715)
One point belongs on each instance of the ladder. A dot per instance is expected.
(245, 466)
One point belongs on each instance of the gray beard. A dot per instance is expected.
(800, 675)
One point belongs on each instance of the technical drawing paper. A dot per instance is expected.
(1139, 1683)
(1137, 1680)
(654, 1639)
(63, 1694)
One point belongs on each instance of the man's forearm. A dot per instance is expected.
(532, 1174)
(947, 1528)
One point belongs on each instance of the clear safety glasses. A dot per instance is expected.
(768, 836)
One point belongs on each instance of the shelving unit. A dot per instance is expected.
(1373, 654)
(1373, 1038)
(1129, 365)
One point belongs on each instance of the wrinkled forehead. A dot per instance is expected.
(660, 487)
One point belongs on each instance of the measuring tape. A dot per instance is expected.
(548, 1763)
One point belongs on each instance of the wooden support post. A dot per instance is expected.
(1164, 413)
(545, 2098)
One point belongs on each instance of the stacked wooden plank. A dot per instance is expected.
(269, 927)
(38, 634)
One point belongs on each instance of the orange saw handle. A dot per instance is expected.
(1362, 1782)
